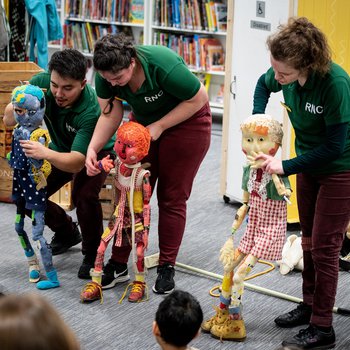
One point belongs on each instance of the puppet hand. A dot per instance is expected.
(227, 255)
(145, 238)
(288, 193)
(106, 164)
(239, 217)
(253, 162)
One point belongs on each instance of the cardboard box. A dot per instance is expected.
(6, 176)
(63, 197)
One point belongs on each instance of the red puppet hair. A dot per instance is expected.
(136, 135)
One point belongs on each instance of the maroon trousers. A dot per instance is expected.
(85, 196)
(324, 212)
(175, 159)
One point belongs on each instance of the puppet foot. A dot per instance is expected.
(137, 292)
(218, 319)
(92, 291)
(51, 282)
(233, 330)
(34, 269)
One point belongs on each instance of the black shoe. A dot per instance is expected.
(297, 317)
(61, 242)
(345, 249)
(344, 262)
(165, 281)
(311, 338)
(114, 273)
(86, 266)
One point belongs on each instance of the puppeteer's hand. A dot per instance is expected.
(34, 149)
(91, 163)
(106, 164)
(270, 164)
(155, 130)
(227, 255)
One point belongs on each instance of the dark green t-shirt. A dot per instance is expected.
(168, 82)
(70, 129)
(321, 102)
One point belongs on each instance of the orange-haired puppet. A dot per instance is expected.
(265, 196)
(130, 222)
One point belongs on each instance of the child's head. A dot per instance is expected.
(261, 133)
(133, 141)
(29, 322)
(29, 106)
(178, 319)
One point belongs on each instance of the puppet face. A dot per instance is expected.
(253, 141)
(29, 106)
(133, 141)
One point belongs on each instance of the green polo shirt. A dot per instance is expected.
(71, 128)
(168, 82)
(321, 102)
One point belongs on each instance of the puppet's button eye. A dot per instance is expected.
(31, 112)
(249, 140)
(261, 139)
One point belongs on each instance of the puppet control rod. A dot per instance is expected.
(338, 310)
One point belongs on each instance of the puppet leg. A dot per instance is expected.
(138, 287)
(34, 270)
(222, 311)
(38, 223)
(234, 328)
(93, 290)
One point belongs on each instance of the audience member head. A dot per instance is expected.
(178, 320)
(29, 322)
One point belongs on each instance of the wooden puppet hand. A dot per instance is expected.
(106, 164)
(227, 255)
(239, 217)
(253, 162)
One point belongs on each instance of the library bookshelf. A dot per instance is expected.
(196, 29)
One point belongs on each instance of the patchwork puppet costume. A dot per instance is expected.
(29, 180)
(129, 225)
(265, 196)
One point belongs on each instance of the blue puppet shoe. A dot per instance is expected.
(51, 282)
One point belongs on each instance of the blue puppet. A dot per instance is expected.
(29, 180)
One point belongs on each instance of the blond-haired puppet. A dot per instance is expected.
(265, 196)
(129, 225)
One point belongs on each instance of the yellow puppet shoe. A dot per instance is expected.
(233, 330)
(218, 319)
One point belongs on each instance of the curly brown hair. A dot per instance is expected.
(301, 45)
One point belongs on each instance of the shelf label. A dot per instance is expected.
(260, 9)
(260, 25)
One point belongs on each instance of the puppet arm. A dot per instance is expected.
(146, 208)
(106, 164)
(227, 256)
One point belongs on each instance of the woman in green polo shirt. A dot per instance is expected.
(167, 98)
(316, 95)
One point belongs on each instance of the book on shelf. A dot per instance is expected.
(221, 16)
(219, 97)
(136, 11)
(205, 78)
(214, 55)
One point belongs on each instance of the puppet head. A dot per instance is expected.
(133, 141)
(29, 106)
(261, 134)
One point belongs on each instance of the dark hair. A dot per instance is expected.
(69, 63)
(30, 322)
(179, 317)
(301, 45)
(113, 52)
